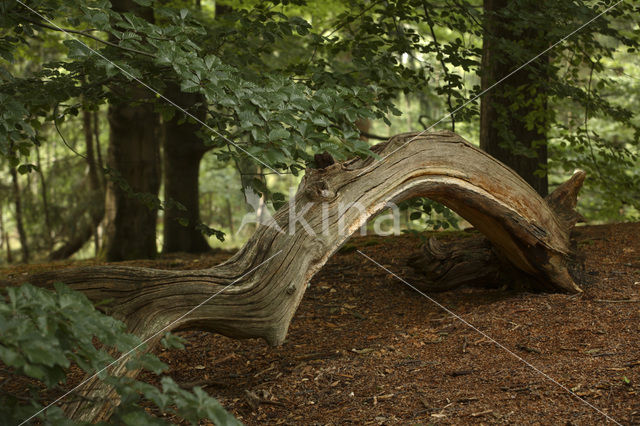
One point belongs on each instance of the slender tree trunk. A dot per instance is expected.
(230, 217)
(95, 118)
(364, 126)
(212, 207)
(250, 178)
(93, 174)
(100, 164)
(134, 157)
(247, 171)
(95, 177)
(45, 200)
(24, 246)
(5, 236)
(513, 116)
(183, 150)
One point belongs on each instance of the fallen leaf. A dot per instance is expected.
(363, 351)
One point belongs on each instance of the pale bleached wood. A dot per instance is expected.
(439, 165)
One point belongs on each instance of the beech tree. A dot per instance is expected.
(183, 148)
(134, 155)
(514, 114)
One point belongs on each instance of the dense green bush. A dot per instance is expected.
(43, 333)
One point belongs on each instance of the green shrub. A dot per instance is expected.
(43, 333)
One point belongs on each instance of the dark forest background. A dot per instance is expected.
(93, 162)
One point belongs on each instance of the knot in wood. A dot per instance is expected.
(317, 188)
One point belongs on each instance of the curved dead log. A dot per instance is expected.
(441, 166)
(335, 202)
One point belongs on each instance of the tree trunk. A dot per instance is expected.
(5, 236)
(93, 174)
(257, 291)
(183, 150)
(17, 199)
(98, 149)
(78, 240)
(229, 217)
(100, 165)
(134, 157)
(45, 201)
(465, 261)
(87, 228)
(513, 116)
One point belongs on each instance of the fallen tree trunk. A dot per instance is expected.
(258, 290)
(472, 260)
(450, 264)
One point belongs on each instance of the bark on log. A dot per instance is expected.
(447, 265)
(473, 261)
(254, 300)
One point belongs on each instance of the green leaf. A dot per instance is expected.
(11, 357)
(172, 341)
(35, 371)
(320, 120)
(44, 351)
(77, 49)
(278, 133)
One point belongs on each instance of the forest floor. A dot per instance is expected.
(364, 348)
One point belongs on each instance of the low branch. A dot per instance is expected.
(85, 34)
(372, 136)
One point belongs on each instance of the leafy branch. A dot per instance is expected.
(84, 33)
